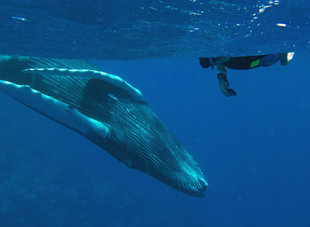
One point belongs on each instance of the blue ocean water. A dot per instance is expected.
(253, 148)
(101, 29)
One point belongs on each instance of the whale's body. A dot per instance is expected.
(105, 109)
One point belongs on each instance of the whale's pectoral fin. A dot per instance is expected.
(56, 110)
(91, 74)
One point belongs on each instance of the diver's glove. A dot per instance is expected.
(224, 85)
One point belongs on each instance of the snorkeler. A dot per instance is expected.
(246, 62)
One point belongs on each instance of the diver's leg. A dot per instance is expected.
(224, 84)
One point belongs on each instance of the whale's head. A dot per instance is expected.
(140, 140)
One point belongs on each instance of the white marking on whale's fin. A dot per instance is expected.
(113, 79)
(55, 110)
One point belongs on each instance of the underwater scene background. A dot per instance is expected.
(253, 148)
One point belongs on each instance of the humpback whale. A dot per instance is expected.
(105, 109)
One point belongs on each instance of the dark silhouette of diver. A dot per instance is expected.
(246, 62)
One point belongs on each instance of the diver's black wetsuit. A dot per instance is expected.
(245, 62)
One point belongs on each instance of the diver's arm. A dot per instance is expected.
(221, 69)
(222, 77)
(220, 60)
